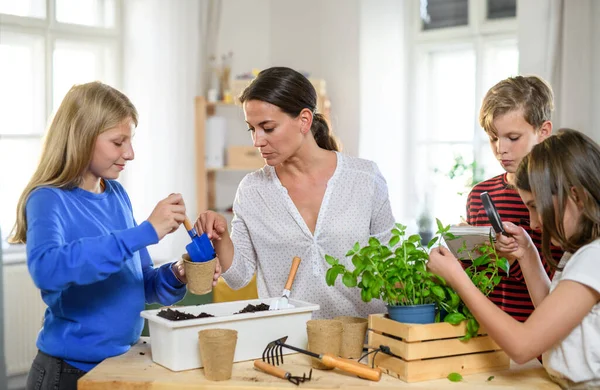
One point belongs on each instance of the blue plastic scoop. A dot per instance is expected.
(200, 249)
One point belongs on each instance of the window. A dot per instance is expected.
(45, 48)
(455, 64)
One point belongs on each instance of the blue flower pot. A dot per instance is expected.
(415, 314)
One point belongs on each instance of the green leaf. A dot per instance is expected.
(490, 378)
(414, 238)
(455, 377)
(401, 227)
(394, 241)
(439, 224)
(481, 260)
(349, 280)
(472, 326)
(496, 279)
(331, 260)
(450, 236)
(395, 232)
(454, 318)
(374, 242)
(356, 247)
(331, 275)
(432, 242)
(349, 253)
(466, 337)
(438, 291)
(367, 279)
(503, 264)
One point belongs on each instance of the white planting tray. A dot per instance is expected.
(174, 344)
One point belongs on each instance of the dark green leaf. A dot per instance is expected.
(331, 260)
(497, 279)
(454, 318)
(490, 378)
(481, 260)
(394, 241)
(455, 377)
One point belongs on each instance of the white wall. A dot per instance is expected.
(160, 77)
(575, 77)
(383, 90)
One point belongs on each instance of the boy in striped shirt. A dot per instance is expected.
(515, 114)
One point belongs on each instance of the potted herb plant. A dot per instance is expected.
(395, 273)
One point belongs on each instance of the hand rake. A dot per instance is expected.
(274, 352)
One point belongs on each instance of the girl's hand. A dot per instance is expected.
(518, 246)
(211, 223)
(443, 263)
(179, 271)
(168, 214)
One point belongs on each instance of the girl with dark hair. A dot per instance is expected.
(559, 183)
(308, 200)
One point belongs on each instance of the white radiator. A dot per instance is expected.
(23, 314)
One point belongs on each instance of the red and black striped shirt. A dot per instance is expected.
(511, 294)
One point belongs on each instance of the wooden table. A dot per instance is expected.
(136, 370)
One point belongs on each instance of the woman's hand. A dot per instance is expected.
(443, 263)
(518, 246)
(179, 271)
(168, 214)
(211, 223)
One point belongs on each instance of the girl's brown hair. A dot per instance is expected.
(563, 166)
(86, 111)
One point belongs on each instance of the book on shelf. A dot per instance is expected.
(468, 239)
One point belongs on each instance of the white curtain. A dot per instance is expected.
(558, 40)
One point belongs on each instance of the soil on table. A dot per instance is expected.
(254, 308)
(176, 315)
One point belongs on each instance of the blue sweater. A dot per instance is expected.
(88, 257)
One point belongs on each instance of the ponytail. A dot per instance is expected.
(322, 133)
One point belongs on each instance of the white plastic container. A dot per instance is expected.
(174, 344)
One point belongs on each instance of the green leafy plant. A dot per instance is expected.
(395, 272)
(484, 272)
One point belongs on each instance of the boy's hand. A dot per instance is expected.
(168, 214)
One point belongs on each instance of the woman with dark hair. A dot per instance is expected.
(308, 200)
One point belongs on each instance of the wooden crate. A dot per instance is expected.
(431, 351)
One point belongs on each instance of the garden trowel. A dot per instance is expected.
(282, 303)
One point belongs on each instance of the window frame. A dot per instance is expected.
(52, 31)
(479, 33)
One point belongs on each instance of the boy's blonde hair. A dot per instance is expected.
(86, 111)
(530, 94)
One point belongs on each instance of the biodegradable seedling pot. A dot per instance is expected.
(353, 336)
(324, 336)
(217, 348)
(199, 275)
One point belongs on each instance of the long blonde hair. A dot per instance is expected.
(86, 111)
